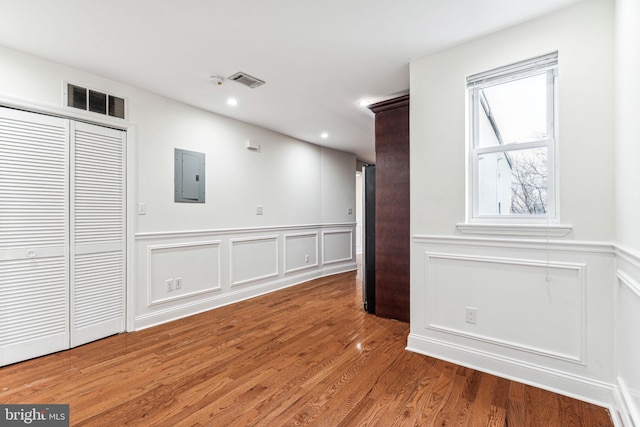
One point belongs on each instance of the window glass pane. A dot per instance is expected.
(512, 112)
(76, 97)
(116, 107)
(97, 102)
(513, 182)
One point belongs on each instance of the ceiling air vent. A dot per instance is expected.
(246, 80)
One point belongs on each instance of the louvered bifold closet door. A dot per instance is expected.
(97, 233)
(34, 299)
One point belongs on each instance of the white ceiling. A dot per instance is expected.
(319, 58)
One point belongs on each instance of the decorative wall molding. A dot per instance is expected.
(495, 264)
(347, 254)
(519, 230)
(244, 230)
(557, 381)
(152, 252)
(604, 248)
(567, 331)
(628, 255)
(248, 262)
(627, 280)
(627, 307)
(290, 267)
(253, 256)
(185, 308)
(626, 408)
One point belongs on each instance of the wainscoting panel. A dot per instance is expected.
(541, 311)
(338, 246)
(628, 337)
(535, 298)
(253, 258)
(301, 252)
(195, 265)
(220, 267)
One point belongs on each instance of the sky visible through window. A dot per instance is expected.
(519, 108)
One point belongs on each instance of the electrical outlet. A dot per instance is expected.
(169, 285)
(259, 210)
(471, 315)
(349, 211)
(306, 259)
(178, 283)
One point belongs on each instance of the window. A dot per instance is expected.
(97, 102)
(513, 142)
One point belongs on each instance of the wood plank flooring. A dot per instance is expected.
(307, 355)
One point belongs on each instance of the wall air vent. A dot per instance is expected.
(246, 80)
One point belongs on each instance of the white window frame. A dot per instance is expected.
(546, 64)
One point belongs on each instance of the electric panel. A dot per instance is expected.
(189, 176)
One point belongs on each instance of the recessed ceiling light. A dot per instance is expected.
(324, 135)
(232, 101)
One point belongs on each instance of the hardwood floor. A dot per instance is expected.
(307, 355)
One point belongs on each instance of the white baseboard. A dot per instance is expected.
(596, 392)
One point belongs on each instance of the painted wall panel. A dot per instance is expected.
(301, 251)
(337, 246)
(253, 258)
(553, 333)
(525, 304)
(628, 346)
(197, 264)
(627, 332)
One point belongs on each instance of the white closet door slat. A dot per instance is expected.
(34, 297)
(98, 233)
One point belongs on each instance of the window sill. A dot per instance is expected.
(518, 230)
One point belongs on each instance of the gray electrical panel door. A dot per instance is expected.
(189, 176)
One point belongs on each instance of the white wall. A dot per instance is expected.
(359, 200)
(294, 182)
(545, 307)
(627, 122)
(222, 250)
(627, 40)
(583, 37)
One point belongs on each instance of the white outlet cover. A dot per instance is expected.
(471, 315)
